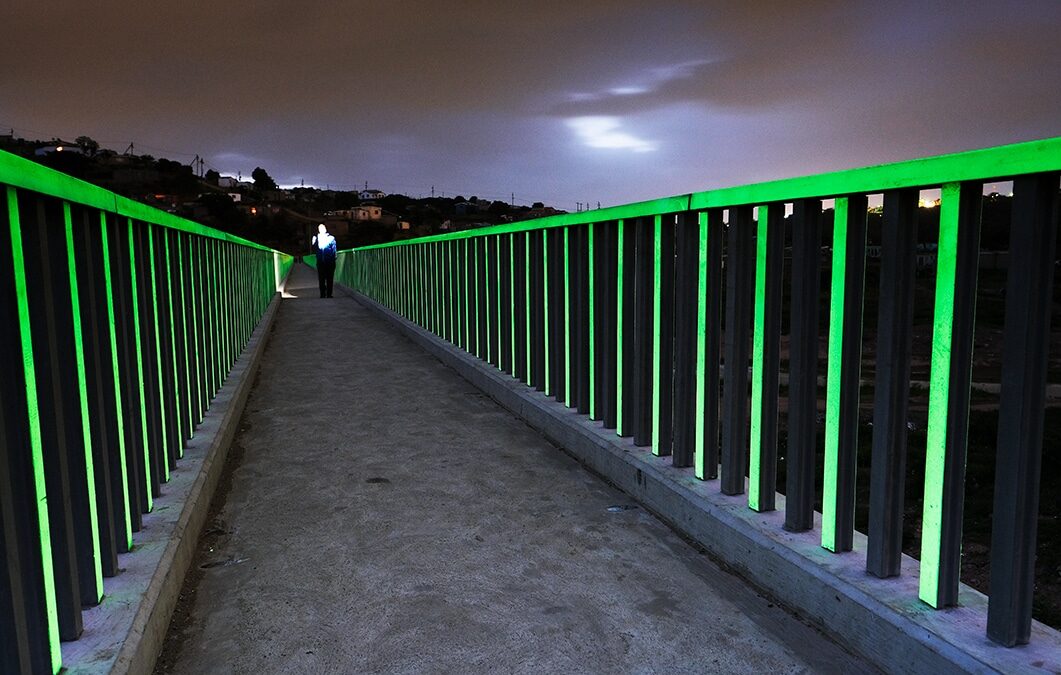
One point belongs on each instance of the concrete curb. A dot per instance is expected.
(881, 619)
(124, 634)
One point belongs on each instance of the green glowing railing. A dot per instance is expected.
(618, 313)
(118, 324)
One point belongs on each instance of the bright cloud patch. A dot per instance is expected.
(606, 132)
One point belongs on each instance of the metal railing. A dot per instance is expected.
(118, 325)
(619, 313)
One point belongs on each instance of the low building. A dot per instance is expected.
(59, 147)
(370, 195)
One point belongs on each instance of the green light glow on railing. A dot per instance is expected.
(591, 273)
(184, 338)
(33, 419)
(755, 444)
(497, 273)
(158, 354)
(512, 300)
(527, 298)
(467, 299)
(133, 288)
(196, 312)
(620, 423)
(82, 387)
(657, 311)
(939, 392)
(545, 313)
(835, 368)
(487, 298)
(701, 348)
(118, 413)
(567, 317)
(440, 290)
(173, 345)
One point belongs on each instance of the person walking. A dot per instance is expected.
(325, 248)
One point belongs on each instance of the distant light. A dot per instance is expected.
(59, 149)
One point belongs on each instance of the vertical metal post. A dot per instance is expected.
(740, 276)
(891, 394)
(766, 357)
(803, 365)
(607, 273)
(663, 335)
(686, 315)
(958, 259)
(709, 294)
(1025, 347)
(641, 377)
(581, 360)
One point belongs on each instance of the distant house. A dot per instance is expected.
(59, 147)
(540, 213)
(235, 196)
(466, 208)
(370, 195)
(227, 182)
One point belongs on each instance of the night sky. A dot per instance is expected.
(561, 102)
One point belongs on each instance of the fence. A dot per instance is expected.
(618, 313)
(118, 324)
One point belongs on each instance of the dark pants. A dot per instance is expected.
(325, 272)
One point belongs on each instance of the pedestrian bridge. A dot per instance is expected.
(414, 467)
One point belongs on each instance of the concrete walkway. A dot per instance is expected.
(381, 515)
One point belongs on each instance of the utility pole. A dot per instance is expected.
(129, 150)
(432, 192)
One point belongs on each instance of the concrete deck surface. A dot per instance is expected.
(382, 515)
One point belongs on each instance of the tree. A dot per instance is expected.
(212, 177)
(262, 180)
(87, 144)
(537, 205)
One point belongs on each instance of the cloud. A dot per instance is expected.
(607, 133)
(555, 99)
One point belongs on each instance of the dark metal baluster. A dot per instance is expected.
(607, 269)
(687, 268)
(1033, 246)
(803, 365)
(641, 377)
(892, 387)
(580, 385)
(710, 295)
(740, 276)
